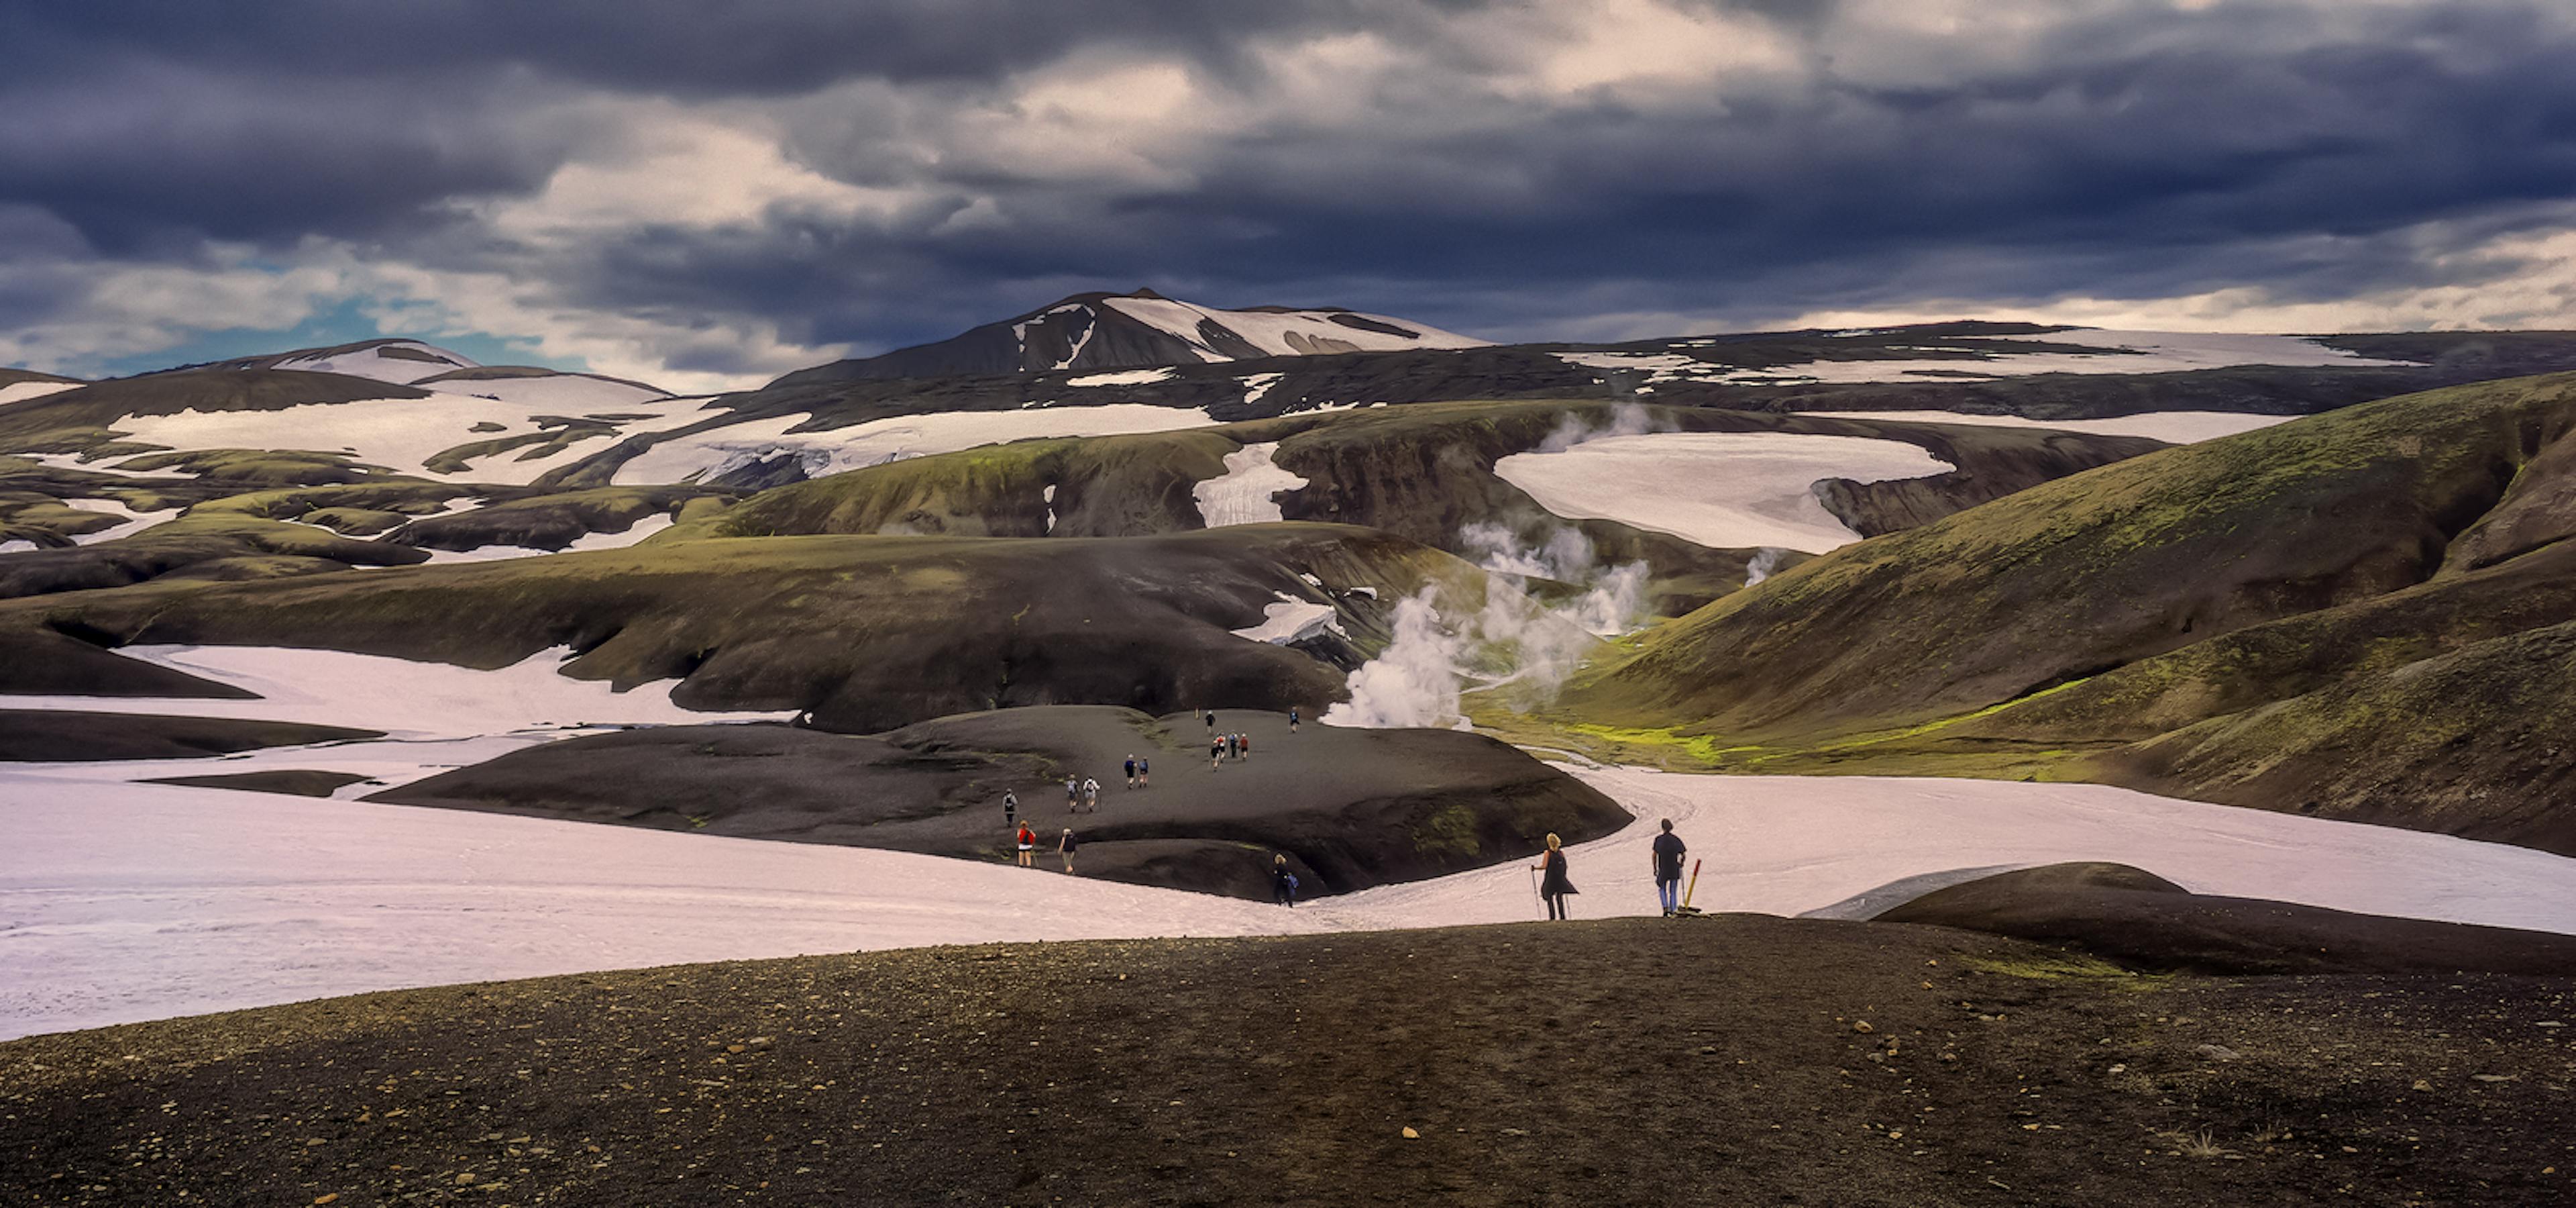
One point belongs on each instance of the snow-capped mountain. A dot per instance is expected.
(1140, 330)
(430, 367)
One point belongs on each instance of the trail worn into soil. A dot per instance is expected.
(1736, 1059)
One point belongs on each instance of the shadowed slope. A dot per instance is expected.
(2146, 922)
(1350, 808)
(866, 632)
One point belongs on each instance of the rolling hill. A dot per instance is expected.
(2361, 614)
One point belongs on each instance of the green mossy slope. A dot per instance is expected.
(867, 633)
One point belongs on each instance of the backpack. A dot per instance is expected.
(1292, 882)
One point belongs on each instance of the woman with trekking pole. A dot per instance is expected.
(1553, 887)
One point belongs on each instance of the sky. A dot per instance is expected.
(706, 196)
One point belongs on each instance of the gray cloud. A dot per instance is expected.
(833, 175)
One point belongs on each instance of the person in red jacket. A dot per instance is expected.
(1028, 840)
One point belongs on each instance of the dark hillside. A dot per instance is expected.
(1731, 1060)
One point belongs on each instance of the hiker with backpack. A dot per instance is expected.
(1072, 794)
(1283, 883)
(1131, 771)
(1028, 840)
(1010, 809)
(1216, 750)
(1091, 795)
(1668, 869)
(1553, 887)
(1145, 773)
(1292, 719)
(1065, 847)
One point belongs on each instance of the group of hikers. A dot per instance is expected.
(1233, 744)
(1551, 881)
(1082, 796)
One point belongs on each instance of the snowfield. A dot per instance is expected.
(406, 699)
(1794, 844)
(136, 902)
(1724, 490)
(404, 434)
(710, 454)
(2171, 427)
(131, 902)
(1248, 491)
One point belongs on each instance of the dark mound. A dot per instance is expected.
(49, 735)
(1718, 1061)
(2143, 921)
(550, 521)
(301, 782)
(866, 633)
(40, 660)
(1350, 808)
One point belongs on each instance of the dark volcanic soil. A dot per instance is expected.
(1350, 808)
(2146, 922)
(72, 734)
(1717, 1061)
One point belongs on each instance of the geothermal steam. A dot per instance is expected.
(1512, 642)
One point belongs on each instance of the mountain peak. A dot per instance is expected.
(1139, 330)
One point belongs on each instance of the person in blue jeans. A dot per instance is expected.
(1668, 869)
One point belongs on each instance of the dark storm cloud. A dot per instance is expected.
(683, 47)
(2316, 149)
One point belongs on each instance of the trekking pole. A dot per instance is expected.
(1535, 896)
(1694, 885)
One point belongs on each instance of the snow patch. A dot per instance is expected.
(1724, 490)
(371, 362)
(1256, 385)
(404, 698)
(2127, 352)
(719, 451)
(1290, 619)
(2171, 427)
(1285, 333)
(72, 461)
(19, 392)
(1248, 492)
(586, 543)
(135, 521)
(1124, 377)
(558, 393)
(403, 434)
